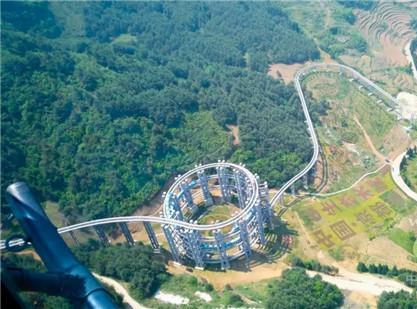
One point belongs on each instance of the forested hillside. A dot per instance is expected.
(103, 102)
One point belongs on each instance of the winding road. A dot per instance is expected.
(342, 69)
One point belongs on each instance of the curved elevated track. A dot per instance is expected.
(341, 69)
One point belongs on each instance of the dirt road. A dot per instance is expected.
(120, 290)
(363, 283)
(369, 141)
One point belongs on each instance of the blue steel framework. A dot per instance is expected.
(232, 240)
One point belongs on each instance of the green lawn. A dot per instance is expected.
(187, 285)
(404, 239)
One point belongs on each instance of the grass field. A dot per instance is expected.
(372, 207)
(347, 100)
(344, 144)
(186, 286)
(217, 213)
(254, 292)
(405, 240)
(326, 23)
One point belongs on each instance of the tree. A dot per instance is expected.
(397, 300)
(295, 289)
(362, 267)
(373, 269)
(143, 276)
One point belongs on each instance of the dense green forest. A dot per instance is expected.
(135, 265)
(103, 102)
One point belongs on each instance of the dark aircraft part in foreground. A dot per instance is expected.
(66, 276)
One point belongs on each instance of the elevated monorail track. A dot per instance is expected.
(247, 213)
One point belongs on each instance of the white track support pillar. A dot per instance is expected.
(293, 190)
(248, 188)
(221, 247)
(172, 199)
(260, 221)
(126, 233)
(244, 237)
(313, 170)
(151, 235)
(171, 243)
(305, 181)
(239, 188)
(281, 200)
(101, 235)
(188, 197)
(266, 204)
(74, 238)
(208, 200)
(194, 243)
(224, 184)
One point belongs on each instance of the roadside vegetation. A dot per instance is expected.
(398, 300)
(295, 261)
(408, 169)
(407, 276)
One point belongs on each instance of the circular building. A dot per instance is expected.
(227, 209)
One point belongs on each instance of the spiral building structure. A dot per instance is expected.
(194, 194)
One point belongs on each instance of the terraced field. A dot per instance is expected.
(387, 26)
(385, 30)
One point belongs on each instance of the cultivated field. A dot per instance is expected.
(372, 208)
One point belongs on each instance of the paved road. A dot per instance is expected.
(396, 176)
